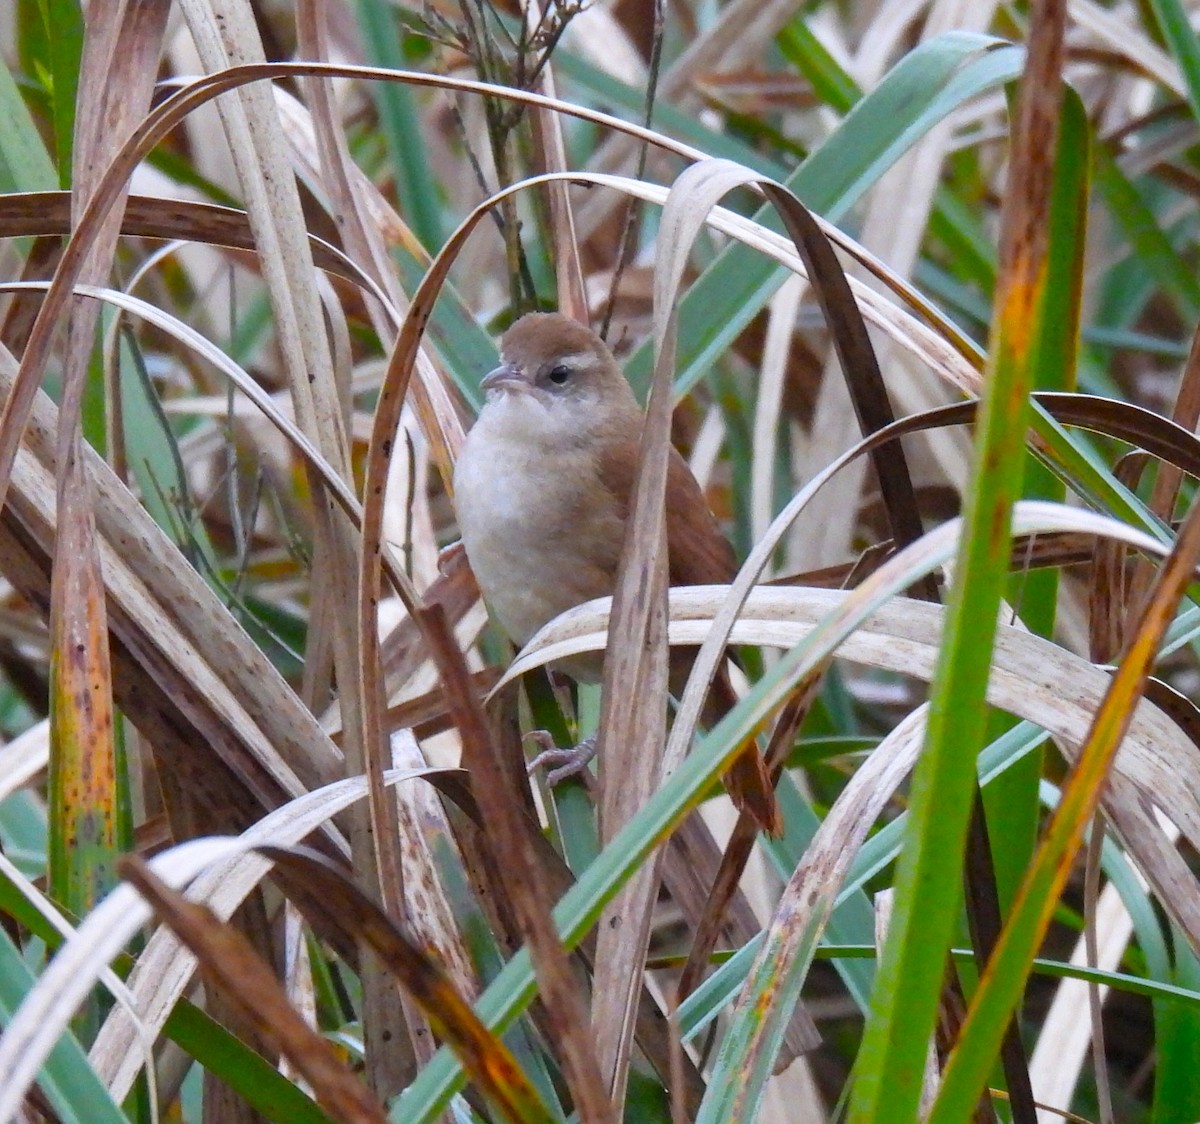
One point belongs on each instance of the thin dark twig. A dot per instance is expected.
(434, 27)
(410, 504)
(548, 41)
(517, 60)
(539, 31)
(250, 521)
(633, 208)
(477, 168)
(476, 42)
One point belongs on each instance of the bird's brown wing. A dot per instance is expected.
(699, 554)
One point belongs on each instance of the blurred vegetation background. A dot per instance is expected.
(913, 285)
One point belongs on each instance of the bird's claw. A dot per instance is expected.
(567, 762)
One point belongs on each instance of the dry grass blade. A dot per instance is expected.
(229, 962)
(104, 122)
(164, 971)
(903, 635)
(859, 365)
(781, 326)
(1110, 417)
(1109, 594)
(1114, 29)
(1092, 945)
(184, 670)
(82, 765)
(1169, 478)
(633, 712)
(1058, 1059)
(323, 890)
(809, 896)
(501, 807)
(340, 176)
(23, 758)
(49, 212)
(427, 833)
(226, 34)
(501, 810)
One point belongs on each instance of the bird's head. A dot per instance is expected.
(561, 365)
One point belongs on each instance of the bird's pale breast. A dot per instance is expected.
(541, 532)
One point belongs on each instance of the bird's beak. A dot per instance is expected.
(505, 377)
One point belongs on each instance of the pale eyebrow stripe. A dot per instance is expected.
(575, 359)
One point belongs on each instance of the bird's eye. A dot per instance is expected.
(559, 375)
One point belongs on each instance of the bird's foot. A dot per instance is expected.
(566, 762)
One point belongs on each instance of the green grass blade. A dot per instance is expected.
(929, 880)
(807, 53)
(1001, 987)
(611, 93)
(247, 1073)
(1181, 39)
(1144, 233)
(24, 163)
(1012, 803)
(936, 78)
(1177, 1044)
(416, 187)
(67, 1079)
(64, 44)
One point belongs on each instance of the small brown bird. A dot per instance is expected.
(543, 488)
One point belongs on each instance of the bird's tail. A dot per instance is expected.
(747, 781)
(750, 789)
